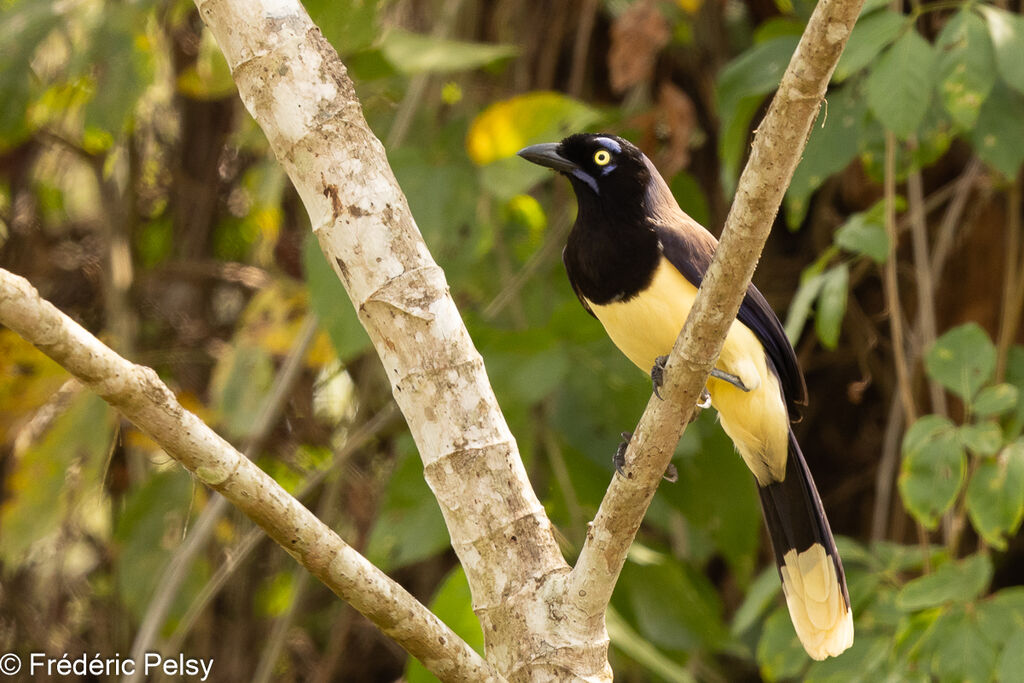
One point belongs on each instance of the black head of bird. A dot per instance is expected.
(609, 174)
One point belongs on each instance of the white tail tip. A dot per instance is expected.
(822, 620)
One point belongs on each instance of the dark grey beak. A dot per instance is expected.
(546, 154)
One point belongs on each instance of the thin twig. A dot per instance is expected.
(1013, 280)
(581, 47)
(952, 222)
(885, 476)
(891, 283)
(925, 282)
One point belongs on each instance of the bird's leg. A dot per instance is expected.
(619, 460)
(658, 374)
(730, 378)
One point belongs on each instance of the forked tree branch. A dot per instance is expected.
(139, 394)
(776, 151)
(540, 621)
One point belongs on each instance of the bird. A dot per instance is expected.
(635, 259)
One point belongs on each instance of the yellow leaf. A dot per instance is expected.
(505, 127)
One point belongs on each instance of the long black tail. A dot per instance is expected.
(809, 565)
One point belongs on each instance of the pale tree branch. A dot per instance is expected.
(776, 150)
(140, 395)
(291, 81)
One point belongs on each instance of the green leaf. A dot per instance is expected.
(330, 302)
(953, 582)
(1002, 614)
(1007, 31)
(409, 526)
(156, 511)
(779, 652)
(864, 233)
(966, 66)
(453, 604)
(899, 88)
(964, 654)
(674, 605)
(742, 85)
(995, 400)
(871, 34)
(23, 27)
(984, 438)
(962, 360)
(995, 496)
(998, 137)
(800, 306)
(443, 194)
(349, 25)
(240, 382)
(832, 305)
(862, 662)
(832, 145)
(120, 71)
(1011, 661)
(38, 492)
(716, 495)
(412, 53)
(760, 596)
(1015, 376)
(933, 468)
(637, 647)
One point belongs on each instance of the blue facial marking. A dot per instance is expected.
(608, 143)
(605, 170)
(582, 175)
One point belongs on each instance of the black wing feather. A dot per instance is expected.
(690, 248)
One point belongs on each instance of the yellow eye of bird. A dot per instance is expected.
(602, 157)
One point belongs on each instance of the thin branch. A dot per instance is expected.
(885, 475)
(952, 221)
(776, 151)
(581, 46)
(140, 395)
(892, 290)
(925, 280)
(1013, 279)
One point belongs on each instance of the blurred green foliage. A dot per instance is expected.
(120, 121)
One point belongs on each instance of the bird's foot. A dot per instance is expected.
(704, 404)
(730, 378)
(619, 460)
(658, 374)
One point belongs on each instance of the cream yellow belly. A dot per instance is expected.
(646, 327)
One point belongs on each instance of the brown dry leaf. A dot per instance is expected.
(677, 119)
(637, 36)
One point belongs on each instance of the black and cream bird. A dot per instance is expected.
(635, 260)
